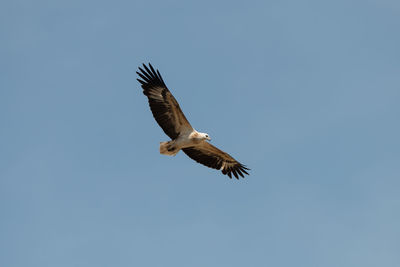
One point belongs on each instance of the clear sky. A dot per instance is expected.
(305, 93)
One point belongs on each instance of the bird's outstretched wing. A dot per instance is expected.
(212, 157)
(162, 103)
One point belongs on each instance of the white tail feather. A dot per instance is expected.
(164, 149)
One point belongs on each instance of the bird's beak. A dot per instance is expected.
(208, 138)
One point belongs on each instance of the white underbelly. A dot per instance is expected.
(185, 140)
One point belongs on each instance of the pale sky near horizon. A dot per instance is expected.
(305, 93)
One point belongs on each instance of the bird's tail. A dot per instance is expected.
(167, 148)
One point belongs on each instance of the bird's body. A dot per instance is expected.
(183, 136)
(184, 140)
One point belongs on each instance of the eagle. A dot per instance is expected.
(171, 119)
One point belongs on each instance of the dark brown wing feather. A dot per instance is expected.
(212, 157)
(162, 103)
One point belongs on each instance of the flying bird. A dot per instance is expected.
(171, 119)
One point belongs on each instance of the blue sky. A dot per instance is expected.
(306, 93)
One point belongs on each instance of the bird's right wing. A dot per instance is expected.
(162, 103)
(210, 156)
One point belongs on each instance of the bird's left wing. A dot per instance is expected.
(162, 103)
(212, 157)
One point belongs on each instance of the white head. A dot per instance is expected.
(205, 136)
